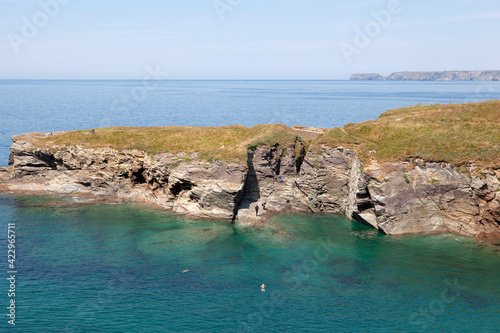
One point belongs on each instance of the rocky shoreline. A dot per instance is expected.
(413, 197)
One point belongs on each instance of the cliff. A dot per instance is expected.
(367, 77)
(405, 194)
(432, 76)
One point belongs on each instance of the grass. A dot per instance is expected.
(407, 180)
(458, 134)
(229, 143)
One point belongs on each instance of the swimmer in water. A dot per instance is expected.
(186, 270)
(263, 287)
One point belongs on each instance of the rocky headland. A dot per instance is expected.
(401, 174)
(431, 76)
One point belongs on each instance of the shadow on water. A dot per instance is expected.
(341, 261)
(470, 298)
(6, 201)
(348, 280)
(391, 286)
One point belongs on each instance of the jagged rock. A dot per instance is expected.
(6, 173)
(207, 190)
(426, 199)
(324, 180)
(402, 198)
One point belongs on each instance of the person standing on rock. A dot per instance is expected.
(264, 206)
(257, 210)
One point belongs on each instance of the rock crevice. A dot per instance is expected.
(396, 198)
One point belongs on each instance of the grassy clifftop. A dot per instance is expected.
(227, 143)
(459, 134)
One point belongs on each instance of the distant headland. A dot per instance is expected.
(431, 76)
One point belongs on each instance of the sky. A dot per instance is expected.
(244, 39)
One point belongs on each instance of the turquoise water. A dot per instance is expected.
(52, 105)
(118, 268)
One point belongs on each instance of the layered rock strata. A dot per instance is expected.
(397, 198)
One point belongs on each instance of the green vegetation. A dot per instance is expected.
(227, 143)
(458, 134)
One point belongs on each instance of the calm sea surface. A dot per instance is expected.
(49, 106)
(118, 268)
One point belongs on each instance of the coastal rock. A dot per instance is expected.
(270, 180)
(203, 190)
(415, 197)
(293, 180)
(429, 198)
(6, 173)
(325, 180)
(207, 190)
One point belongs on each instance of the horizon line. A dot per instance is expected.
(136, 79)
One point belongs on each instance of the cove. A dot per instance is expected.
(118, 268)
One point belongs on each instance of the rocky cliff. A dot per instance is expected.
(367, 77)
(413, 197)
(432, 76)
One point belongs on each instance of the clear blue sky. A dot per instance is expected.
(258, 39)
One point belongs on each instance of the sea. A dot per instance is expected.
(81, 267)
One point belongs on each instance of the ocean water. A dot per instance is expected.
(118, 268)
(49, 106)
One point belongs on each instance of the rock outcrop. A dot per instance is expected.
(432, 76)
(397, 198)
(429, 198)
(367, 77)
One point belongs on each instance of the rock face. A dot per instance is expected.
(433, 76)
(291, 180)
(177, 182)
(429, 198)
(405, 198)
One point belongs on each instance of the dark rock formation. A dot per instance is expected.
(399, 198)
